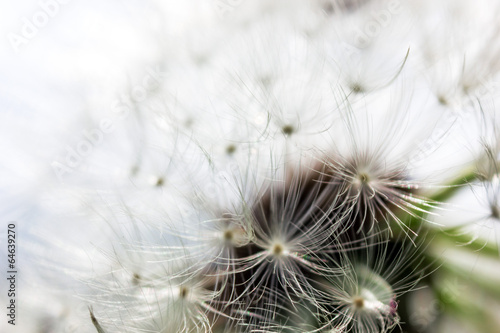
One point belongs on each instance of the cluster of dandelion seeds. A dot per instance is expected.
(294, 172)
(290, 235)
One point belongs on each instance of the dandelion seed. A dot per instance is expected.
(159, 182)
(356, 88)
(314, 247)
(287, 130)
(178, 299)
(95, 322)
(230, 149)
(294, 223)
(136, 278)
(364, 299)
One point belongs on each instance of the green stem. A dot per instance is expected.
(466, 242)
(442, 195)
(452, 234)
(445, 193)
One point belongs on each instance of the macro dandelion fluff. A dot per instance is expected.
(172, 296)
(368, 163)
(292, 223)
(255, 167)
(366, 297)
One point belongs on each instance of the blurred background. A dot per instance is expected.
(122, 75)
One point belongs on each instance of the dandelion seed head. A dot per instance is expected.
(368, 303)
(364, 298)
(277, 83)
(235, 235)
(171, 297)
(369, 191)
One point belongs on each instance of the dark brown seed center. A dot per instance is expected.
(287, 129)
(277, 250)
(183, 292)
(495, 212)
(230, 149)
(228, 235)
(160, 182)
(358, 302)
(363, 178)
